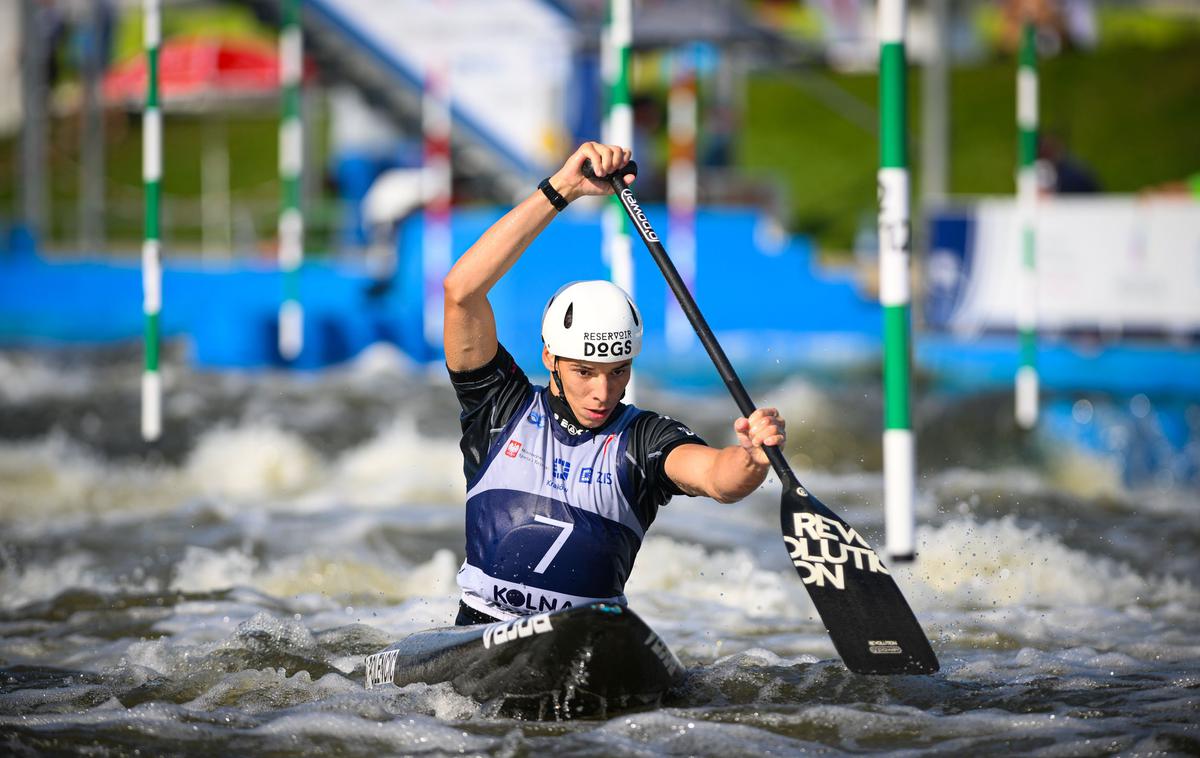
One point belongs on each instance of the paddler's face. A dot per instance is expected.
(592, 389)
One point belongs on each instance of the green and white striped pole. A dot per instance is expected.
(899, 456)
(151, 244)
(1027, 126)
(618, 130)
(291, 163)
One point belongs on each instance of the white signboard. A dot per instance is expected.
(1113, 264)
(509, 62)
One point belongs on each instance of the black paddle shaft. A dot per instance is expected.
(690, 309)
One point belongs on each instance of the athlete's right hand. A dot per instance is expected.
(570, 182)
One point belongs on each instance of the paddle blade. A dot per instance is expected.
(868, 619)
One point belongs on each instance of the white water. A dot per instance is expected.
(222, 600)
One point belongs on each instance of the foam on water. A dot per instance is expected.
(400, 465)
(54, 477)
(684, 577)
(26, 583)
(203, 569)
(24, 380)
(340, 578)
(414, 735)
(260, 691)
(282, 547)
(971, 564)
(666, 732)
(251, 463)
(348, 579)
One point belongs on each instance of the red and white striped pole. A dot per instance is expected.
(436, 242)
(615, 43)
(681, 191)
(291, 164)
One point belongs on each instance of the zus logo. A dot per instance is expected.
(537, 419)
(498, 634)
(639, 216)
(823, 547)
(590, 476)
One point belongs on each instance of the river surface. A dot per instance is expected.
(216, 594)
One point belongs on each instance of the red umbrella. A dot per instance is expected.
(198, 72)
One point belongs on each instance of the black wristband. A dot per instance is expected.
(558, 201)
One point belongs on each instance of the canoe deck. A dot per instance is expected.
(586, 662)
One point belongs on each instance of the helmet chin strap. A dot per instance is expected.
(559, 404)
(558, 381)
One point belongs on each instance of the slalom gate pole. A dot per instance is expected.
(291, 164)
(1027, 131)
(899, 455)
(436, 241)
(681, 188)
(152, 241)
(618, 130)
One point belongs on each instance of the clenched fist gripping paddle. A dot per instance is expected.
(867, 617)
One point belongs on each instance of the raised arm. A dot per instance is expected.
(469, 333)
(729, 474)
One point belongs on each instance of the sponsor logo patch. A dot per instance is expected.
(823, 548)
(591, 476)
(562, 468)
(606, 349)
(514, 449)
(639, 216)
(570, 428)
(536, 418)
(381, 668)
(663, 653)
(498, 634)
(518, 600)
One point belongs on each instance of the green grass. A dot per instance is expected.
(1132, 114)
(254, 179)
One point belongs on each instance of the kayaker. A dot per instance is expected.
(563, 481)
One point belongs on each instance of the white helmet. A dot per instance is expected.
(592, 321)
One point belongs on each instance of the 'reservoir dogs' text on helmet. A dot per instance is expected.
(592, 321)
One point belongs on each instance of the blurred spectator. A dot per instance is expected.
(649, 123)
(1061, 24)
(1060, 172)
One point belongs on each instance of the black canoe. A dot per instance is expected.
(584, 662)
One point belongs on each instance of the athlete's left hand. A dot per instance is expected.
(764, 427)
